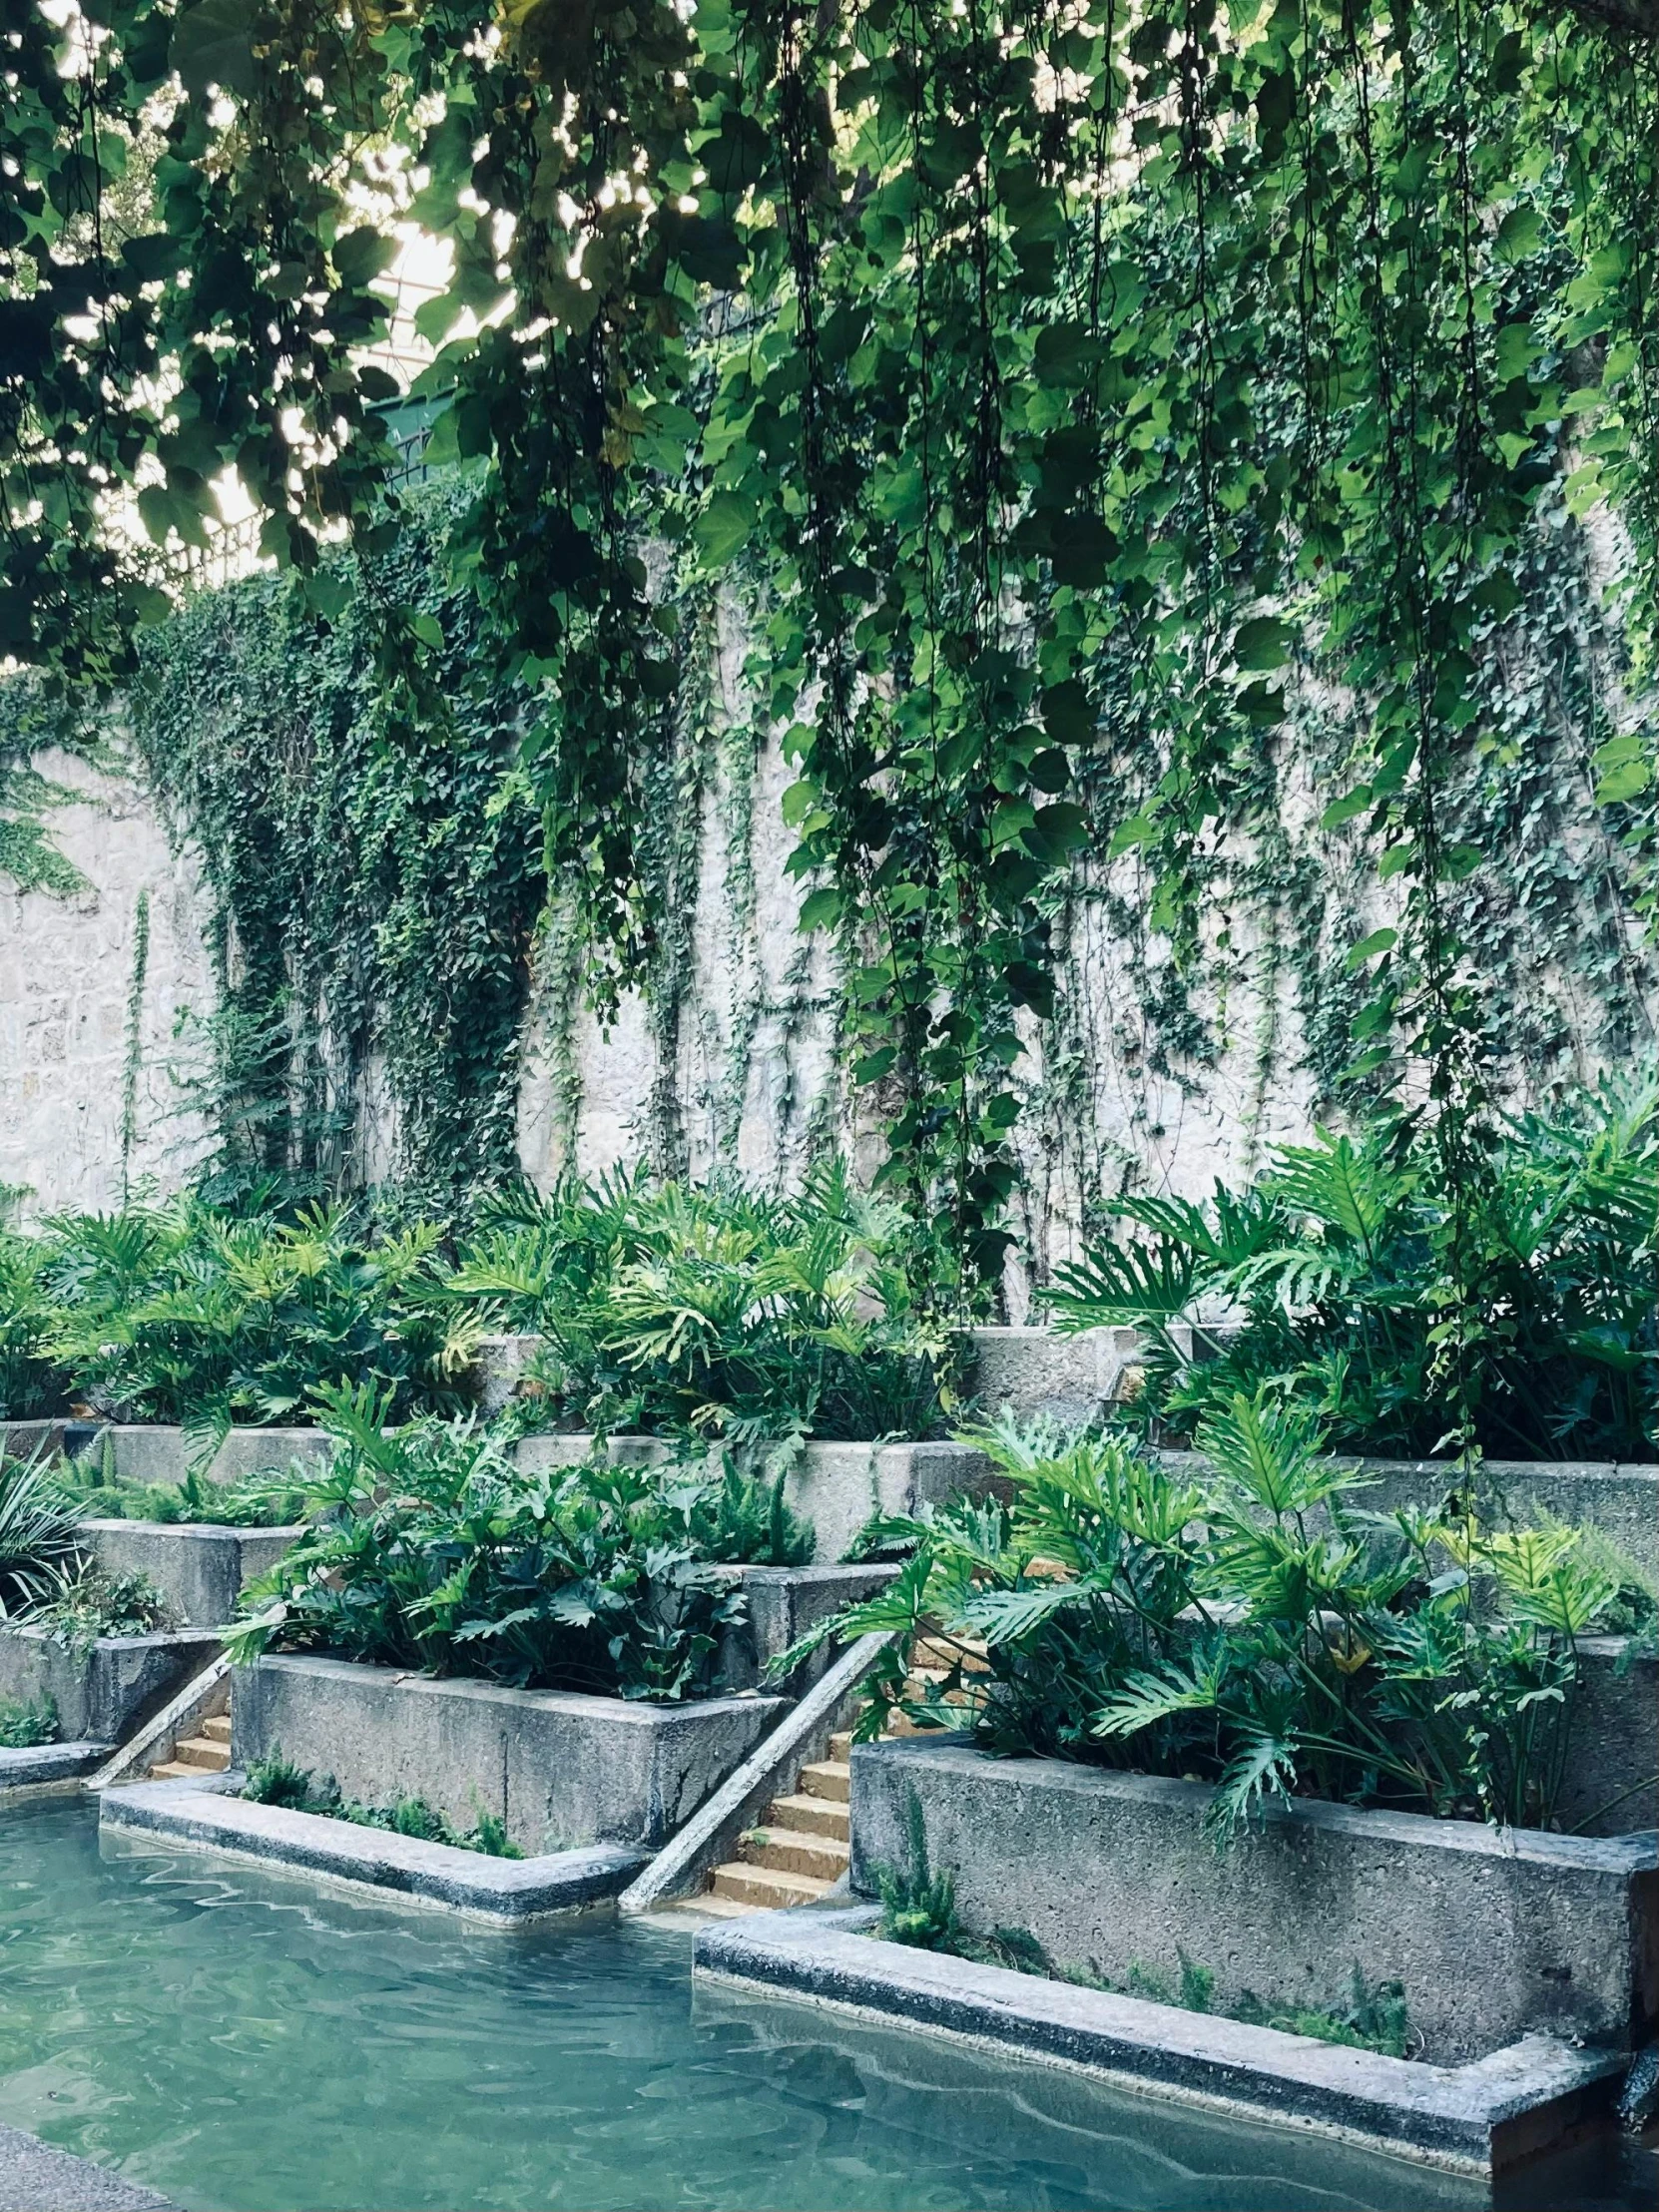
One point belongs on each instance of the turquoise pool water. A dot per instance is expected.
(243, 2041)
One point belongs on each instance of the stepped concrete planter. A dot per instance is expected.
(1495, 1935)
(108, 1690)
(835, 1486)
(784, 1602)
(153, 1452)
(1071, 1379)
(1622, 1499)
(499, 1370)
(560, 1768)
(1612, 1785)
(210, 1814)
(199, 1567)
(49, 1770)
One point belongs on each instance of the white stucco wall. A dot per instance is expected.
(66, 970)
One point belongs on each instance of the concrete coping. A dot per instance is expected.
(1478, 2118)
(195, 1531)
(209, 1815)
(50, 1767)
(45, 2179)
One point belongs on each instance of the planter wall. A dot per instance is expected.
(199, 1567)
(835, 1486)
(1495, 1935)
(784, 1602)
(560, 1768)
(108, 1690)
(153, 1452)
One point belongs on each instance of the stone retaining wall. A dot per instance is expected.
(559, 1768)
(108, 1690)
(1494, 1934)
(199, 1567)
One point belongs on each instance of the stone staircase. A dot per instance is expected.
(802, 1848)
(207, 1753)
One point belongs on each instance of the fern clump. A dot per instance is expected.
(25, 1722)
(428, 1547)
(1335, 1269)
(918, 1906)
(1248, 1624)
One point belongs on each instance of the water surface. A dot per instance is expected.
(245, 2042)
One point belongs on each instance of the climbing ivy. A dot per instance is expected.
(377, 879)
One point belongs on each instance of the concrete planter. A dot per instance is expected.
(503, 1891)
(1620, 1499)
(1496, 1934)
(49, 1770)
(152, 1452)
(835, 1486)
(784, 1602)
(199, 1567)
(1481, 2118)
(1071, 1379)
(560, 1768)
(501, 1368)
(108, 1691)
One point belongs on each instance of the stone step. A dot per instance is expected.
(764, 1888)
(218, 1728)
(793, 1851)
(709, 1908)
(811, 1816)
(174, 1769)
(840, 1744)
(828, 1778)
(203, 1753)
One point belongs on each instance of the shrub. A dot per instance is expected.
(39, 1535)
(25, 1722)
(429, 1548)
(714, 1310)
(30, 1385)
(98, 1604)
(1250, 1626)
(1329, 1280)
(186, 1314)
(271, 1499)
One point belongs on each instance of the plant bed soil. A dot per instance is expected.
(557, 1767)
(1481, 2117)
(1494, 1934)
(210, 1814)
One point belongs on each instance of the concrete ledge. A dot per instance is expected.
(559, 1768)
(1478, 2118)
(153, 1451)
(1621, 1500)
(1494, 1934)
(835, 1486)
(50, 1768)
(199, 1566)
(108, 1691)
(38, 2177)
(206, 1815)
(784, 1602)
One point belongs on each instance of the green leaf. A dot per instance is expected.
(210, 46)
(724, 526)
(1379, 940)
(819, 910)
(1263, 643)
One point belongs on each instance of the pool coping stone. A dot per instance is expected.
(50, 1767)
(36, 2176)
(209, 1816)
(1478, 2118)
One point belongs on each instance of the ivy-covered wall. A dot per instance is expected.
(389, 990)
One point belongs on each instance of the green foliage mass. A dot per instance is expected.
(718, 1310)
(95, 1603)
(1071, 380)
(1334, 1275)
(269, 1500)
(25, 1722)
(376, 873)
(195, 1314)
(39, 1534)
(429, 1548)
(1250, 1626)
(277, 1781)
